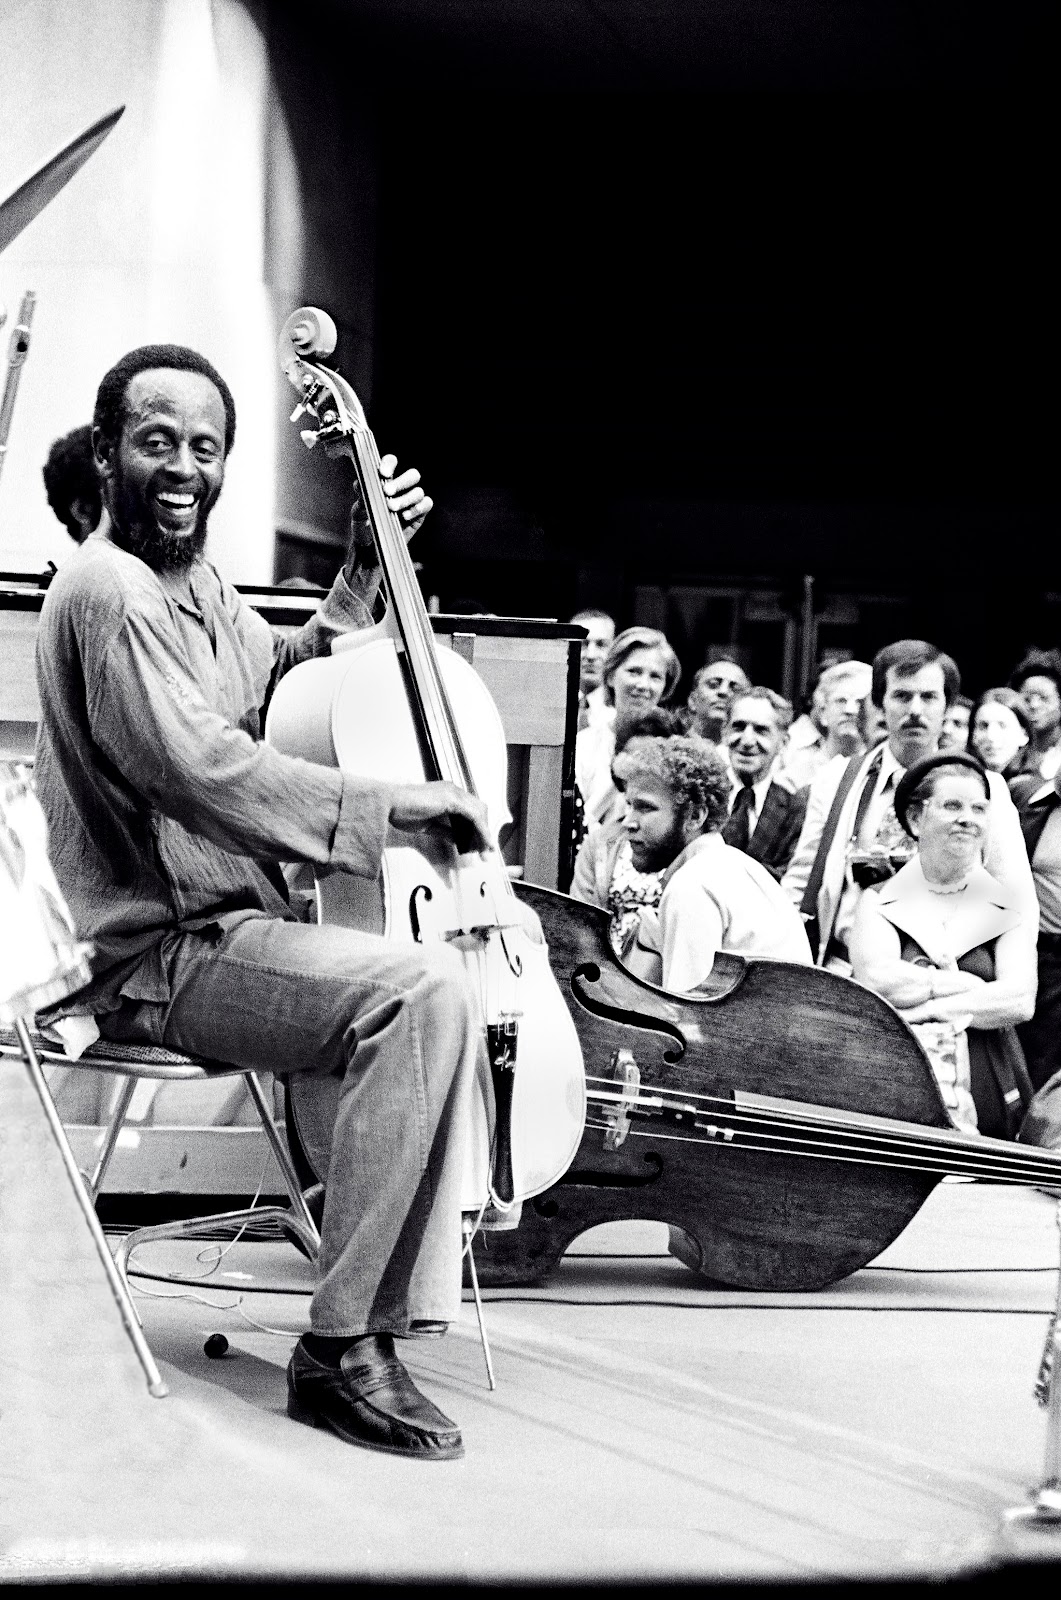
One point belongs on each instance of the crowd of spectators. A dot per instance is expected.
(897, 833)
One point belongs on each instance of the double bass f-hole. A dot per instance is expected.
(423, 891)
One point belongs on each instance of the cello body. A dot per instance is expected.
(738, 1216)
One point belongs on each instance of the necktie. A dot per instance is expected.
(891, 839)
(739, 831)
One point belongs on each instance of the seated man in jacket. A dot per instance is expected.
(714, 897)
(765, 812)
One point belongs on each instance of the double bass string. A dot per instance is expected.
(926, 1151)
(969, 1155)
(851, 1153)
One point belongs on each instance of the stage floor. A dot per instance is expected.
(643, 1427)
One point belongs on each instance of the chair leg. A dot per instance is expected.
(283, 1159)
(115, 1280)
(110, 1136)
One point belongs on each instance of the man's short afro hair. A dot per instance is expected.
(110, 396)
(69, 475)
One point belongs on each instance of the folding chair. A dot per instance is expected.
(133, 1062)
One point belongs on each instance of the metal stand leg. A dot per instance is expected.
(118, 1289)
(469, 1232)
(1045, 1511)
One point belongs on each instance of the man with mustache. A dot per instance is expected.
(851, 836)
(167, 817)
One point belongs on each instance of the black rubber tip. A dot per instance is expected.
(216, 1346)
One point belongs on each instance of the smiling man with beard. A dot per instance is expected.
(167, 817)
(714, 897)
(851, 837)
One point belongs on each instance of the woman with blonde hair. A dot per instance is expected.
(640, 671)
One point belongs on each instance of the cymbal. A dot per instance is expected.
(19, 209)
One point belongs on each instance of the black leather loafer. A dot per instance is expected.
(370, 1400)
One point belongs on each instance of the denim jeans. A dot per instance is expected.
(387, 1037)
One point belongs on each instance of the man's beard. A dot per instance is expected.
(667, 850)
(141, 535)
(848, 739)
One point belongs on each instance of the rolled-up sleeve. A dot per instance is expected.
(149, 719)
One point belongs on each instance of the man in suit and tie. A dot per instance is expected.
(765, 813)
(593, 708)
(851, 836)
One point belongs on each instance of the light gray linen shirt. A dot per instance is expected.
(164, 807)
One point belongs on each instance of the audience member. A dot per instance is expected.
(600, 635)
(851, 835)
(807, 732)
(72, 484)
(1000, 736)
(1039, 806)
(710, 696)
(946, 943)
(605, 874)
(765, 812)
(1038, 680)
(873, 724)
(834, 725)
(639, 671)
(954, 734)
(714, 897)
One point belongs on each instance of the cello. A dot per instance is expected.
(388, 704)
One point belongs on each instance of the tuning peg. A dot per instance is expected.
(299, 411)
(309, 437)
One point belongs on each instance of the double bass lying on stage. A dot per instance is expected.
(785, 1123)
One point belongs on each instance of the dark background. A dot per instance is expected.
(706, 296)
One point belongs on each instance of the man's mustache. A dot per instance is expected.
(913, 722)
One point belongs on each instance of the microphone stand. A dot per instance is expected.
(1045, 1510)
(17, 351)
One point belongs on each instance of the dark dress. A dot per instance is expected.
(998, 1075)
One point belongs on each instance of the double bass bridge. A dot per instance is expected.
(627, 1074)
